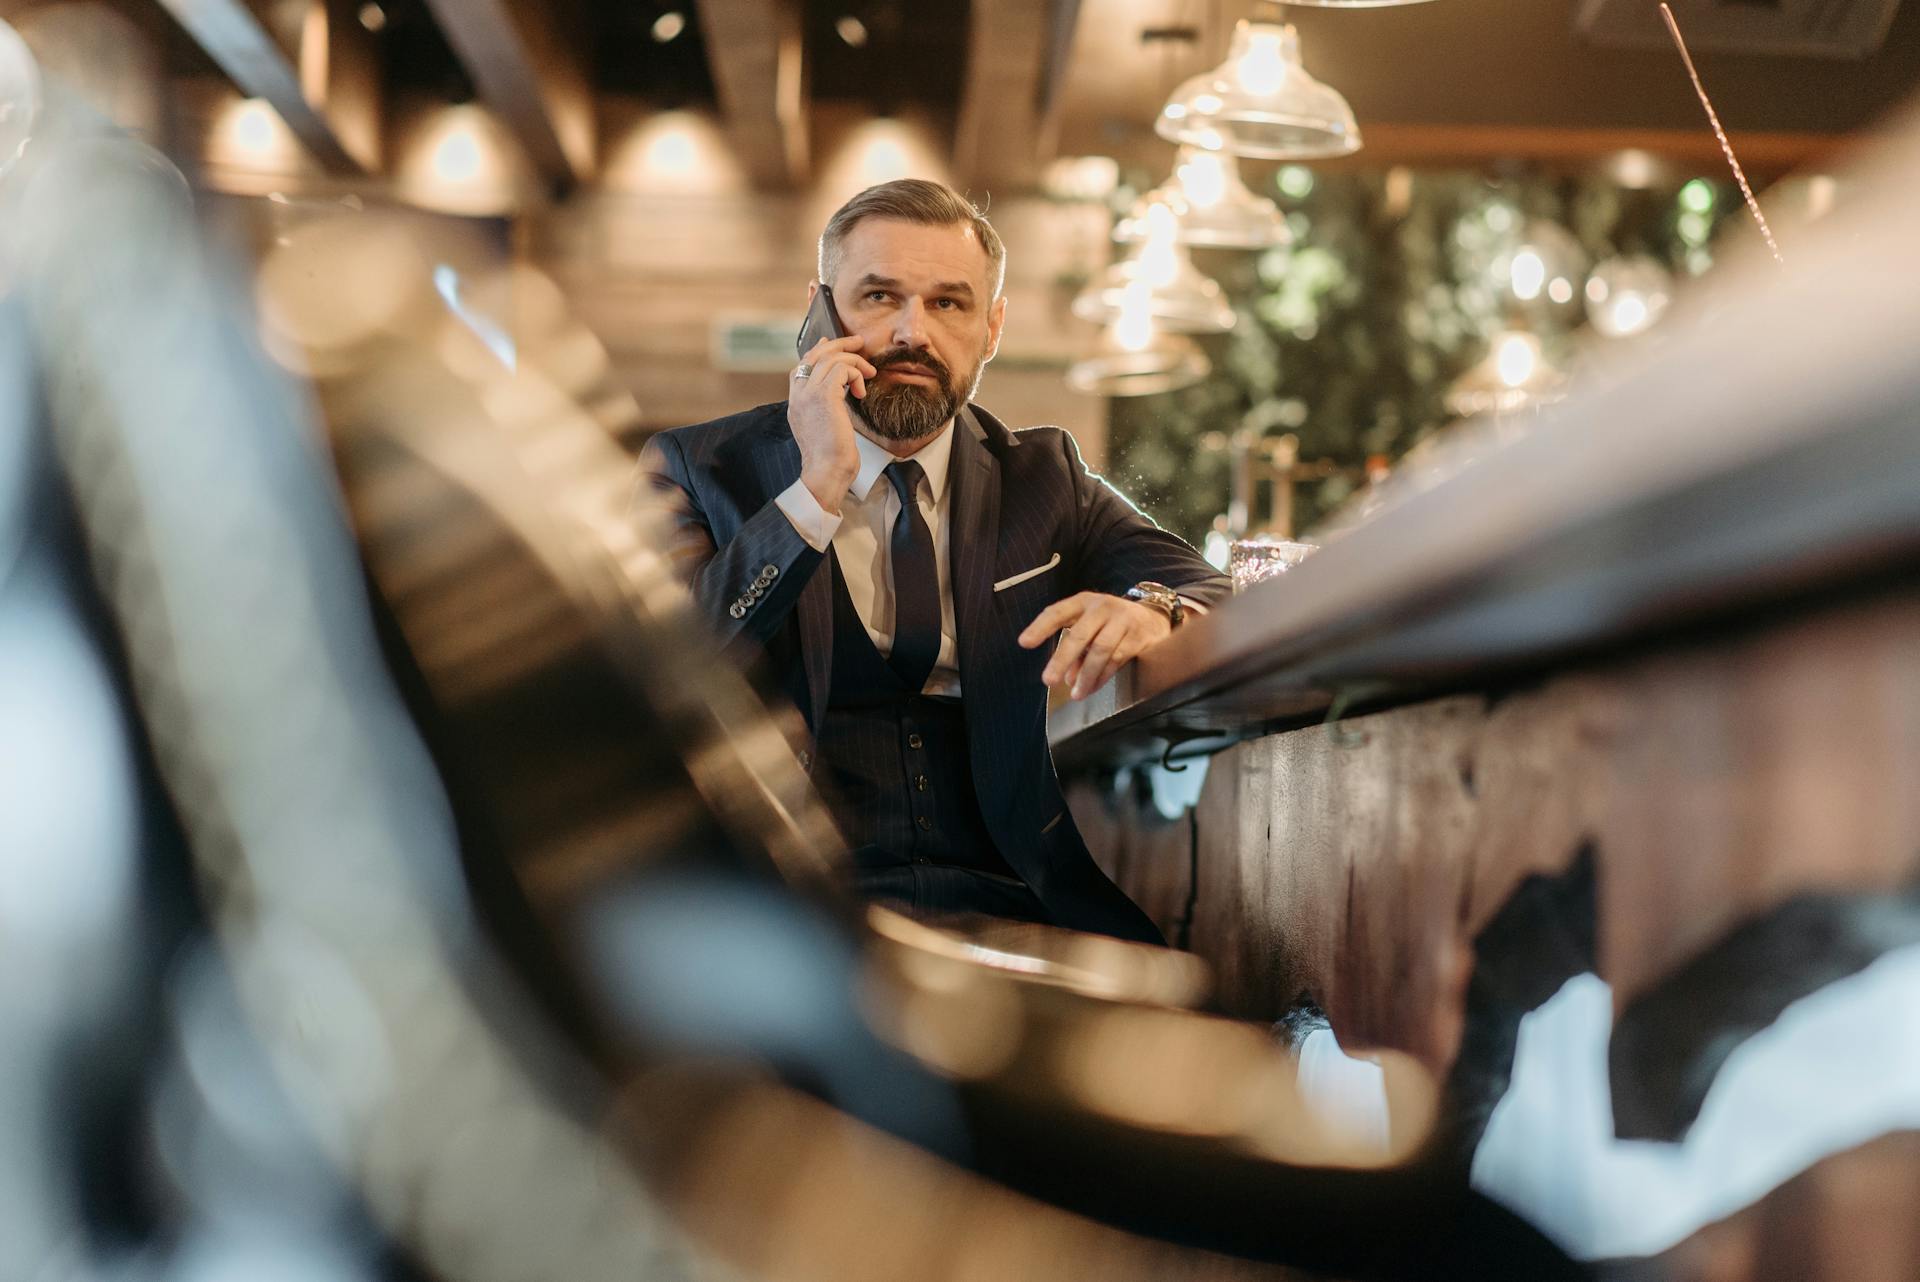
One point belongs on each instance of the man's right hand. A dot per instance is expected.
(822, 421)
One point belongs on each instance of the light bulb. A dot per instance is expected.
(1517, 358)
(1204, 175)
(1134, 330)
(1159, 259)
(1628, 295)
(1264, 64)
(1529, 274)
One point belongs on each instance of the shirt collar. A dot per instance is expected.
(933, 458)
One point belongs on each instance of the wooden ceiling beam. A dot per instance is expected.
(1695, 150)
(527, 68)
(1066, 22)
(1014, 55)
(241, 45)
(1673, 152)
(757, 52)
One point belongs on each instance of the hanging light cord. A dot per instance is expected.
(1726, 146)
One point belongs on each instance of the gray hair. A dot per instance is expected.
(911, 200)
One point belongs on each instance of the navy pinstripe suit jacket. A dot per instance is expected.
(1019, 500)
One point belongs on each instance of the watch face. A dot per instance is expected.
(1160, 597)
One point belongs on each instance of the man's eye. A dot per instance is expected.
(877, 296)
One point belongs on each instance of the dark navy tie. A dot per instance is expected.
(916, 583)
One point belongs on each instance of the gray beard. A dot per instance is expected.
(909, 413)
(903, 412)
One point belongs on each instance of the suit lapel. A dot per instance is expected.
(779, 468)
(972, 550)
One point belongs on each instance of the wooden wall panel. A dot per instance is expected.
(1357, 864)
(1149, 854)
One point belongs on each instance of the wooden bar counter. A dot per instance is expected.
(1637, 692)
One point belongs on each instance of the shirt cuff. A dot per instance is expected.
(1193, 606)
(811, 521)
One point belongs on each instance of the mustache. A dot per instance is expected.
(924, 359)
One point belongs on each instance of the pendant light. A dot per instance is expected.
(1626, 296)
(1210, 204)
(1514, 376)
(1261, 102)
(1137, 358)
(1160, 281)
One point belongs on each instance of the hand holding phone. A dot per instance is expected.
(820, 407)
(822, 323)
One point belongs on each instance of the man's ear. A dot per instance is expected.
(813, 288)
(996, 321)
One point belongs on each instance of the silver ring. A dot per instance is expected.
(802, 371)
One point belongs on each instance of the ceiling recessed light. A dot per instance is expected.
(669, 25)
(852, 30)
(373, 17)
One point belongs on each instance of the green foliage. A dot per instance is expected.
(1391, 290)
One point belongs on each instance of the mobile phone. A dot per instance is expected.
(822, 322)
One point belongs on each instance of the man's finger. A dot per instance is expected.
(1050, 620)
(831, 362)
(1127, 653)
(840, 372)
(855, 376)
(1100, 651)
(1066, 657)
(827, 346)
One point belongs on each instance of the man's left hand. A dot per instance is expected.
(1099, 635)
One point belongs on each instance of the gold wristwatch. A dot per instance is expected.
(1162, 598)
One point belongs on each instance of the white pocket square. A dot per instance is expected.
(1024, 575)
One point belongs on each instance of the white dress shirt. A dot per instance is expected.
(862, 539)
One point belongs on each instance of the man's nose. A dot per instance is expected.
(910, 325)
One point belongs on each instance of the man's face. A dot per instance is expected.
(921, 299)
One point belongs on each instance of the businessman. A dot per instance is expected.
(918, 575)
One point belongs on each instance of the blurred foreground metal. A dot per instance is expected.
(480, 924)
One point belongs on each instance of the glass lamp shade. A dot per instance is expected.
(19, 96)
(1158, 281)
(1210, 205)
(1136, 360)
(1544, 269)
(1261, 102)
(1626, 296)
(1514, 376)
